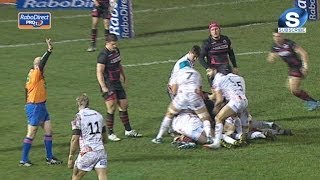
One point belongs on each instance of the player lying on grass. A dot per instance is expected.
(191, 131)
(253, 128)
(267, 127)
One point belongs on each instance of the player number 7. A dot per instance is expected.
(190, 74)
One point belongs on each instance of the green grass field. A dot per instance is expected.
(163, 34)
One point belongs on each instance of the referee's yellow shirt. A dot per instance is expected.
(36, 87)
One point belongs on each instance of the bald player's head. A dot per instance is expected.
(36, 61)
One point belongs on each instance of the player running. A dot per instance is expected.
(289, 52)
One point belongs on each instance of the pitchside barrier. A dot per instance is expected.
(311, 6)
(7, 1)
(121, 22)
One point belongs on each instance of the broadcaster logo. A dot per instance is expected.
(292, 20)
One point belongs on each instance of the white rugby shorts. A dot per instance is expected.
(92, 159)
(238, 105)
(188, 100)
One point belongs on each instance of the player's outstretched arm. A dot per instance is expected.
(46, 55)
(271, 57)
(49, 44)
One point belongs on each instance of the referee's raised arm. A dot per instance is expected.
(46, 55)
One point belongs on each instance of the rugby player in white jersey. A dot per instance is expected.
(191, 58)
(187, 91)
(231, 87)
(88, 133)
(189, 125)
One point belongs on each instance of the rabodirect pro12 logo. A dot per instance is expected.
(292, 21)
(34, 20)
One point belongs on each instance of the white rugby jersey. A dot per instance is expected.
(231, 85)
(90, 123)
(176, 67)
(188, 80)
(186, 121)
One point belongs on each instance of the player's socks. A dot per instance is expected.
(237, 136)
(106, 33)
(217, 137)
(228, 139)
(125, 120)
(48, 145)
(164, 126)
(304, 96)
(110, 122)
(94, 33)
(207, 128)
(238, 126)
(269, 123)
(27, 142)
(257, 134)
(218, 132)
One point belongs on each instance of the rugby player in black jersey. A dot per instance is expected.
(101, 9)
(216, 50)
(297, 60)
(110, 75)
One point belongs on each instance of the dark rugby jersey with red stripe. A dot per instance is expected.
(216, 51)
(287, 53)
(111, 60)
